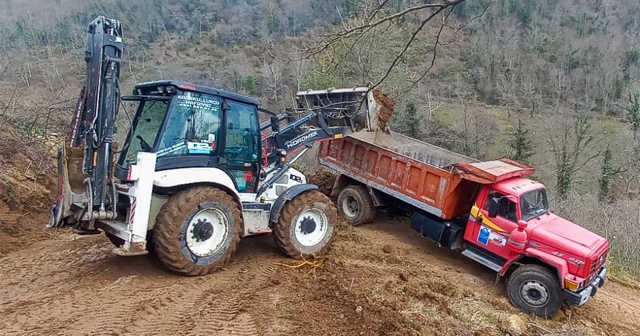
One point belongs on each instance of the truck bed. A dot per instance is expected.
(418, 150)
(428, 177)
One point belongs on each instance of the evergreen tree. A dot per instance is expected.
(412, 121)
(633, 111)
(520, 144)
(607, 173)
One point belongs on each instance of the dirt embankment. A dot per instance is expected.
(27, 187)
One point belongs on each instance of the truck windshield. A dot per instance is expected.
(533, 204)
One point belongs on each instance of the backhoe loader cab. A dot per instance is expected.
(190, 126)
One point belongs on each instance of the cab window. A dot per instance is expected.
(242, 142)
(192, 126)
(508, 210)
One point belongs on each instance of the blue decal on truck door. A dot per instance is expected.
(483, 235)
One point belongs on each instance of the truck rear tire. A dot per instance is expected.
(306, 225)
(197, 231)
(355, 205)
(535, 289)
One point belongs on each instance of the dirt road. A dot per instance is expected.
(381, 279)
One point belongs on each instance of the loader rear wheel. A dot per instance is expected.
(535, 289)
(355, 205)
(306, 225)
(197, 231)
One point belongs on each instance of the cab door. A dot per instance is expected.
(242, 149)
(492, 233)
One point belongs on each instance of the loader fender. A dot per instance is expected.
(192, 176)
(288, 195)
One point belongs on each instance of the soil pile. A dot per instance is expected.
(324, 179)
(387, 106)
(27, 187)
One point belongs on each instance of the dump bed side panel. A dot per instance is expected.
(415, 149)
(424, 186)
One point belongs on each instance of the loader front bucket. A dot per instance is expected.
(359, 108)
(379, 110)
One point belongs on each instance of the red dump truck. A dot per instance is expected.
(489, 210)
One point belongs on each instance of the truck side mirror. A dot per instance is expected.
(522, 224)
(493, 208)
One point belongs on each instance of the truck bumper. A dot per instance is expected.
(577, 299)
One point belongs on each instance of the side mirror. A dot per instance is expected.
(493, 208)
(522, 224)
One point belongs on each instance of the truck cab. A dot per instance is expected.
(511, 224)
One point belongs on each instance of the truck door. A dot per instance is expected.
(492, 233)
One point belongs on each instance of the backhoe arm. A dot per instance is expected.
(92, 131)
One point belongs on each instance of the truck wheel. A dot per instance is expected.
(535, 289)
(355, 205)
(197, 231)
(306, 225)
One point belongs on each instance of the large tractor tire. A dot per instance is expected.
(355, 205)
(197, 231)
(306, 225)
(535, 289)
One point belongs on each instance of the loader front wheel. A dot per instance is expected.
(197, 231)
(306, 225)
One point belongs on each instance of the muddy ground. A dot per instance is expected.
(379, 279)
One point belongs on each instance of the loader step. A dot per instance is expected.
(83, 232)
(485, 258)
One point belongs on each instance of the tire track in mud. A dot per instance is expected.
(204, 305)
(37, 272)
(228, 313)
(221, 302)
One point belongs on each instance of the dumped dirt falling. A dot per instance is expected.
(387, 106)
(324, 179)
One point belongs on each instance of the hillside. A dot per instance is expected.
(567, 72)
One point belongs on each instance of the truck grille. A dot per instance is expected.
(596, 265)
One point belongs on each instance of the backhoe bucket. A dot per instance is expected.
(71, 189)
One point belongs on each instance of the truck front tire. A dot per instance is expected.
(306, 225)
(197, 231)
(535, 289)
(355, 205)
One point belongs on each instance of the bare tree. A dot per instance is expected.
(272, 79)
(376, 15)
